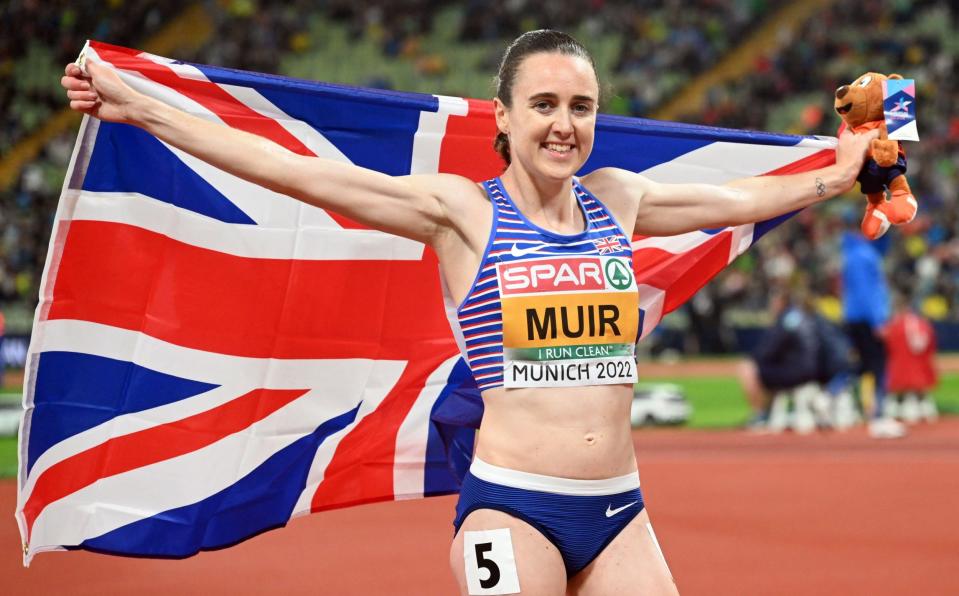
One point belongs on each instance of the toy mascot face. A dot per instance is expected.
(861, 101)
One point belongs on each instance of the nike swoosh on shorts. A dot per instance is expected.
(610, 512)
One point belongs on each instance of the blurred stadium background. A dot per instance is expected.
(752, 64)
(755, 64)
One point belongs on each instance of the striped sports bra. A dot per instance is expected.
(548, 309)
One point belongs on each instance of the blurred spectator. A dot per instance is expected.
(786, 358)
(833, 356)
(835, 405)
(707, 329)
(911, 345)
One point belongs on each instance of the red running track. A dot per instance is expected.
(736, 514)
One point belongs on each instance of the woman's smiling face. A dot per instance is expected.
(552, 121)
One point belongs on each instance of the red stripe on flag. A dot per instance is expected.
(467, 148)
(210, 95)
(361, 470)
(128, 452)
(820, 159)
(685, 273)
(207, 300)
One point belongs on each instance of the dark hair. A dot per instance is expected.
(527, 44)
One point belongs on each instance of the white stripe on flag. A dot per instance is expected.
(322, 459)
(347, 376)
(262, 205)
(651, 301)
(819, 142)
(187, 71)
(742, 239)
(677, 244)
(326, 451)
(308, 243)
(428, 139)
(408, 475)
(149, 490)
(139, 82)
(306, 134)
(124, 425)
(720, 162)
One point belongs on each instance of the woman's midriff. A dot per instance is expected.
(570, 432)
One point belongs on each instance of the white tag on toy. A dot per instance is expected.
(490, 564)
(899, 108)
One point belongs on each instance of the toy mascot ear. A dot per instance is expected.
(895, 76)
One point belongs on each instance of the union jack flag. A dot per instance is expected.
(210, 359)
(608, 244)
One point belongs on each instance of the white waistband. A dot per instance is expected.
(553, 484)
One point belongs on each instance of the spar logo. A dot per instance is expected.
(570, 274)
(619, 274)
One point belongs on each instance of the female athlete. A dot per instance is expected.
(537, 265)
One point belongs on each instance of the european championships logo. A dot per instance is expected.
(899, 109)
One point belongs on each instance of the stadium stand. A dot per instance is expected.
(40, 37)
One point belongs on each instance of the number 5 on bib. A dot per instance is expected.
(490, 564)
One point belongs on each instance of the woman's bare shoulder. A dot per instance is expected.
(621, 191)
(615, 184)
(466, 208)
(448, 188)
(461, 198)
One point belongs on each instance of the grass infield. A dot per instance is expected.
(8, 457)
(718, 403)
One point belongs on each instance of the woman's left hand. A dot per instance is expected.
(851, 153)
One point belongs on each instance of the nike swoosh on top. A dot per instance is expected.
(610, 512)
(517, 252)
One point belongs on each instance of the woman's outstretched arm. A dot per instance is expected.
(409, 206)
(666, 209)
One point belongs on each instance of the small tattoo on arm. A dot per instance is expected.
(820, 188)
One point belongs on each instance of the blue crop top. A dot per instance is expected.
(548, 309)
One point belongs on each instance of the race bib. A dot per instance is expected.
(569, 321)
(490, 563)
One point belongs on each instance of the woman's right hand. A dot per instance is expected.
(100, 93)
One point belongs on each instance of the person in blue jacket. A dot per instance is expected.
(865, 304)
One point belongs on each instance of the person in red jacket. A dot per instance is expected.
(911, 348)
